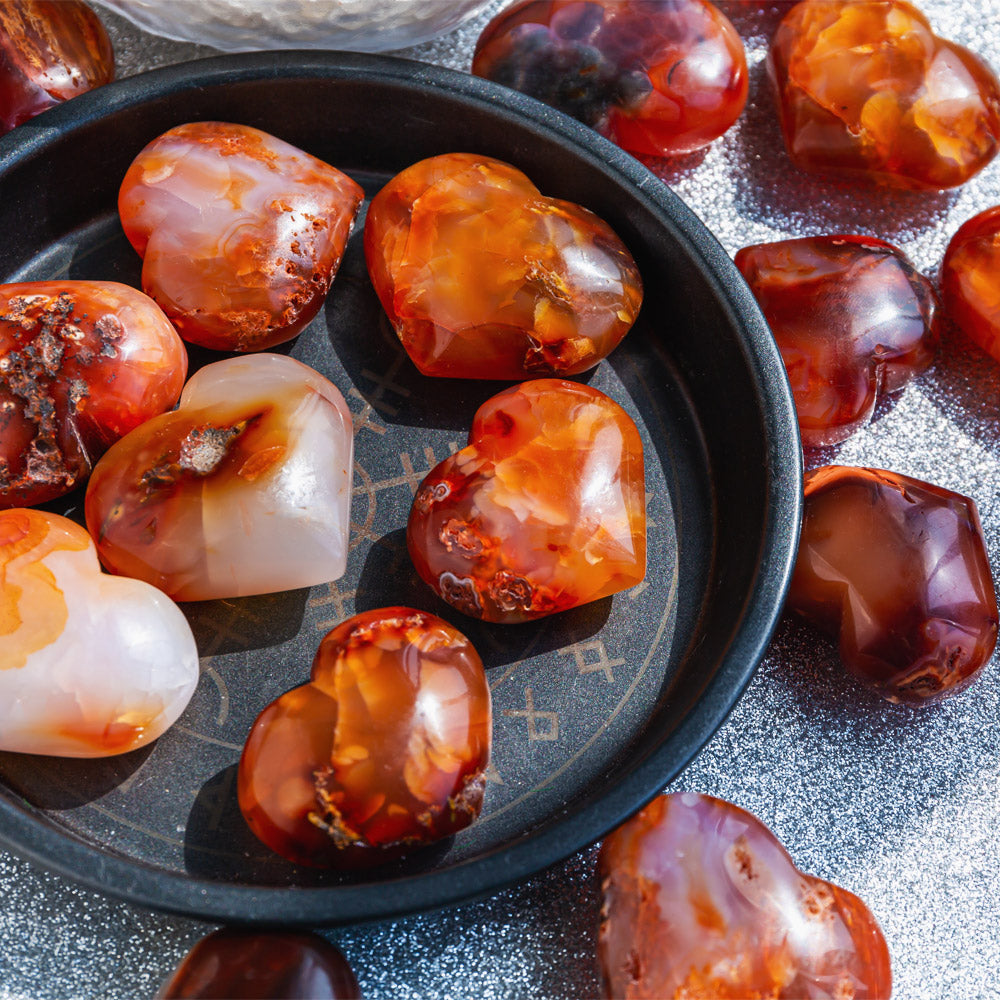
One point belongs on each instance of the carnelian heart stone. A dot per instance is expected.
(853, 319)
(484, 277)
(544, 510)
(244, 489)
(970, 280)
(384, 750)
(866, 88)
(262, 965)
(240, 233)
(896, 569)
(49, 52)
(659, 78)
(701, 900)
(82, 363)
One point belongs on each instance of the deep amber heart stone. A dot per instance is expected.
(853, 319)
(866, 88)
(49, 52)
(262, 965)
(240, 233)
(244, 489)
(544, 510)
(484, 277)
(82, 363)
(897, 571)
(383, 751)
(970, 280)
(701, 900)
(659, 78)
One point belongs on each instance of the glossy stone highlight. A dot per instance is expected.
(240, 233)
(970, 280)
(865, 88)
(483, 277)
(896, 570)
(701, 900)
(262, 965)
(81, 364)
(90, 665)
(543, 511)
(383, 751)
(244, 489)
(853, 320)
(659, 78)
(49, 52)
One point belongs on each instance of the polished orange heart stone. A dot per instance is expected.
(866, 88)
(240, 233)
(702, 901)
(82, 363)
(49, 52)
(970, 280)
(385, 749)
(484, 277)
(544, 510)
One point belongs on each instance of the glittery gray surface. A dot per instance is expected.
(898, 805)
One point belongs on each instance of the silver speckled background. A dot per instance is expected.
(898, 805)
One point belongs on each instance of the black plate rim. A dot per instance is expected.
(56, 849)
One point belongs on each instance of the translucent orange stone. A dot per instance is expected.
(897, 571)
(383, 751)
(49, 52)
(484, 277)
(544, 510)
(659, 78)
(702, 901)
(866, 88)
(240, 233)
(853, 319)
(970, 280)
(82, 363)
(262, 965)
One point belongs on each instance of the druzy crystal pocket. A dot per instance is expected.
(897, 570)
(853, 319)
(544, 510)
(484, 277)
(701, 900)
(244, 489)
(81, 364)
(90, 664)
(385, 749)
(240, 233)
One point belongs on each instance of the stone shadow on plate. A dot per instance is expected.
(239, 624)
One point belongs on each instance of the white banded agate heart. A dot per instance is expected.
(244, 489)
(91, 665)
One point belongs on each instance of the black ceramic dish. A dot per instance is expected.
(595, 710)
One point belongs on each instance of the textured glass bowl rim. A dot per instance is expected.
(63, 852)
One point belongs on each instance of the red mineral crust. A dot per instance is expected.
(659, 78)
(544, 510)
(701, 901)
(240, 233)
(897, 571)
(383, 751)
(82, 363)
(866, 88)
(484, 277)
(853, 319)
(970, 280)
(49, 52)
(262, 965)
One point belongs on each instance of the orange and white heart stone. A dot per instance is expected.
(90, 665)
